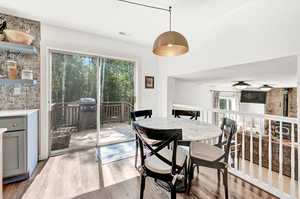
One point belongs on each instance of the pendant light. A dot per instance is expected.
(241, 85)
(170, 43)
(265, 87)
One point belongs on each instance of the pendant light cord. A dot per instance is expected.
(170, 11)
(153, 7)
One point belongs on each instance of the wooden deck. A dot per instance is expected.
(79, 175)
(109, 133)
(70, 124)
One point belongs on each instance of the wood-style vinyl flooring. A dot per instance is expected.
(79, 175)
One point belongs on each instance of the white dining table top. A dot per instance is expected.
(192, 130)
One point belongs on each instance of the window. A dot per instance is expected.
(227, 103)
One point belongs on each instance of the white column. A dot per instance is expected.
(44, 99)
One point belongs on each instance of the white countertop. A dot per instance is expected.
(2, 130)
(12, 113)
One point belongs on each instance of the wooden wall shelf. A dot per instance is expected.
(18, 81)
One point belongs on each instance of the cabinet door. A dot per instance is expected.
(14, 153)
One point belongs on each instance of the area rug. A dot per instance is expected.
(115, 152)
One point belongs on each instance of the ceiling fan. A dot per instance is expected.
(241, 85)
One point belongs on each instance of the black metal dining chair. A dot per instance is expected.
(211, 156)
(192, 114)
(223, 142)
(134, 115)
(161, 163)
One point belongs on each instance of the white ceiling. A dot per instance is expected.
(193, 18)
(281, 72)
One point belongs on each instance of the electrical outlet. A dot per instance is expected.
(17, 91)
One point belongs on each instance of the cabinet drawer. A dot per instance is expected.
(13, 123)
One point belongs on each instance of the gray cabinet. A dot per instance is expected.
(15, 146)
(20, 144)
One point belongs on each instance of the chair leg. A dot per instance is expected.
(191, 175)
(136, 152)
(219, 177)
(143, 181)
(239, 155)
(185, 176)
(173, 191)
(225, 182)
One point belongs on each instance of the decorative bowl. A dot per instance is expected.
(15, 36)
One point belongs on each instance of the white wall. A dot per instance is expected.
(70, 40)
(197, 95)
(252, 108)
(193, 94)
(260, 30)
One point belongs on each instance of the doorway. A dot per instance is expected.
(91, 101)
(117, 100)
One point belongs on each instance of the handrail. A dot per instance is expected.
(262, 141)
(262, 116)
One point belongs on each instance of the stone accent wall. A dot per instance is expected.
(30, 94)
(274, 104)
(265, 153)
(293, 102)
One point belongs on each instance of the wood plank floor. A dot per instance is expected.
(16, 190)
(79, 175)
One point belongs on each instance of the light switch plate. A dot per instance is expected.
(17, 91)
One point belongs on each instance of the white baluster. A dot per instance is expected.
(243, 144)
(293, 161)
(235, 147)
(251, 151)
(260, 149)
(270, 154)
(280, 177)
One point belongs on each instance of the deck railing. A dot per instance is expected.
(268, 147)
(68, 114)
(115, 111)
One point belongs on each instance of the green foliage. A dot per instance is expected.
(75, 77)
(117, 80)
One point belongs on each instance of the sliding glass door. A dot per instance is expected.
(117, 100)
(73, 101)
(91, 100)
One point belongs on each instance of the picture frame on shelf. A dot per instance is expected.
(149, 82)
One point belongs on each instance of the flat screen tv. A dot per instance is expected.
(258, 97)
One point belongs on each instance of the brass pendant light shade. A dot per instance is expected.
(170, 43)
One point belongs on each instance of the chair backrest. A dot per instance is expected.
(193, 114)
(143, 113)
(229, 128)
(165, 138)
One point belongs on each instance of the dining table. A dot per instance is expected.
(192, 130)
